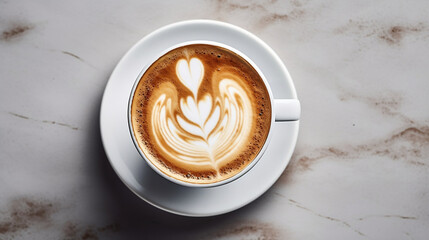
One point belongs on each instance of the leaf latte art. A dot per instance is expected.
(208, 129)
(200, 113)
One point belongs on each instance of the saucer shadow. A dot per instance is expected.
(133, 216)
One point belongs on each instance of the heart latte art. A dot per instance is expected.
(210, 127)
(201, 113)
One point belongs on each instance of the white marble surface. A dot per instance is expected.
(361, 167)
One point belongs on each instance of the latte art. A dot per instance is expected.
(201, 113)
(209, 128)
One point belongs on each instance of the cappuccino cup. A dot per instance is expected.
(201, 114)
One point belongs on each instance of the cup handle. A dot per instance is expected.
(287, 110)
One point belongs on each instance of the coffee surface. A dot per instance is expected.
(201, 113)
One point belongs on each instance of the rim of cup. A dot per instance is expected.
(255, 159)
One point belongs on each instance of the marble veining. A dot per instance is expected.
(44, 121)
(389, 33)
(298, 205)
(73, 55)
(264, 16)
(247, 230)
(360, 169)
(14, 32)
(410, 145)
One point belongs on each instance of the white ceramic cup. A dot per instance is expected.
(281, 110)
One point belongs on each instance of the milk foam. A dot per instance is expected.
(210, 127)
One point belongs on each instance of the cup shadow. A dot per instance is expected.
(133, 216)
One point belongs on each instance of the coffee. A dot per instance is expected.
(201, 113)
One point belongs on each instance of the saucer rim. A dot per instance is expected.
(293, 135)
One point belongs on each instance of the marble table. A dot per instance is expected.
(361, 166)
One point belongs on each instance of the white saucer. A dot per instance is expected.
(145, 182)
